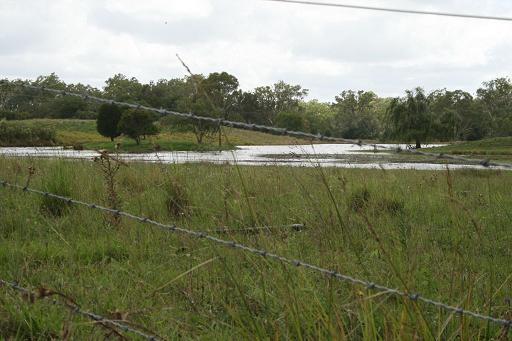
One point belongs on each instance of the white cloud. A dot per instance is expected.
(155, 10)
(325, 50)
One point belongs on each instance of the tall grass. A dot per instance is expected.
(404, 229)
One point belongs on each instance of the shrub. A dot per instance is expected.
(22, 134)
(86, 115)
(108, 119)
(137, 124)
(15, 115)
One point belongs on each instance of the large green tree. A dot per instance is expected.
(197, 101)
(137, 124)
(281, 97)
(496, 103)
(164, 93)
(220, 89)
(455, 116)
(108, 119)
(246, 106)
(122, 88)
(318, 117)
(356, 115)
(290, 120)
(64, 107)
(410, 118)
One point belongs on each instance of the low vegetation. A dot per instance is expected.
(83, 134)
(13, 133)
(495, 148)
(442, 234)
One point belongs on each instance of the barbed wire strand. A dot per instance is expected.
(293, 227)
(415, 297)
(90, 315)
(394, 10)
(275, 131)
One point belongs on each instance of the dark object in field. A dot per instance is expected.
(176, 202)
(359, 199)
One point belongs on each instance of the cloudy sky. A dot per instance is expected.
(325, 50)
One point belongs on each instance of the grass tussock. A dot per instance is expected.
(444, 236)
(59, 183)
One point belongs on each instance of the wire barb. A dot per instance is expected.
(342, 277)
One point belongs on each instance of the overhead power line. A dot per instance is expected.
(394, 10)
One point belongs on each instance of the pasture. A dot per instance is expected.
(442, 234)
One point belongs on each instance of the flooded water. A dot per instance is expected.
(325, 155)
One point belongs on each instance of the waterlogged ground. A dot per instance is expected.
(326, 155)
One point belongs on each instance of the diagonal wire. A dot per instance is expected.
(274, 130)
(294, 227)
(394, 10)
(414, 297)
(85, 313)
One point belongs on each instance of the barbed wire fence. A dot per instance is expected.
(413, 297)
(277, 131)
(75, 309)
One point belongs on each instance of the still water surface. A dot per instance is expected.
(326, 155)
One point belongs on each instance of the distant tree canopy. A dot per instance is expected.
(318, 117)
(456, 116)
(220, 88)
(64, 107)
(410, 118)
(419, 117)
(290, 120)
(120, 88)
(355, 114)
(496, 105)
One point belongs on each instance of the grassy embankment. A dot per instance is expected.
(494, 148)
(83, 133)
(444, 236)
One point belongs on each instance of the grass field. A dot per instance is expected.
(83, 133)
(495, 148)
(444, 235)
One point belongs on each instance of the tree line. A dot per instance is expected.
(417, 116)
